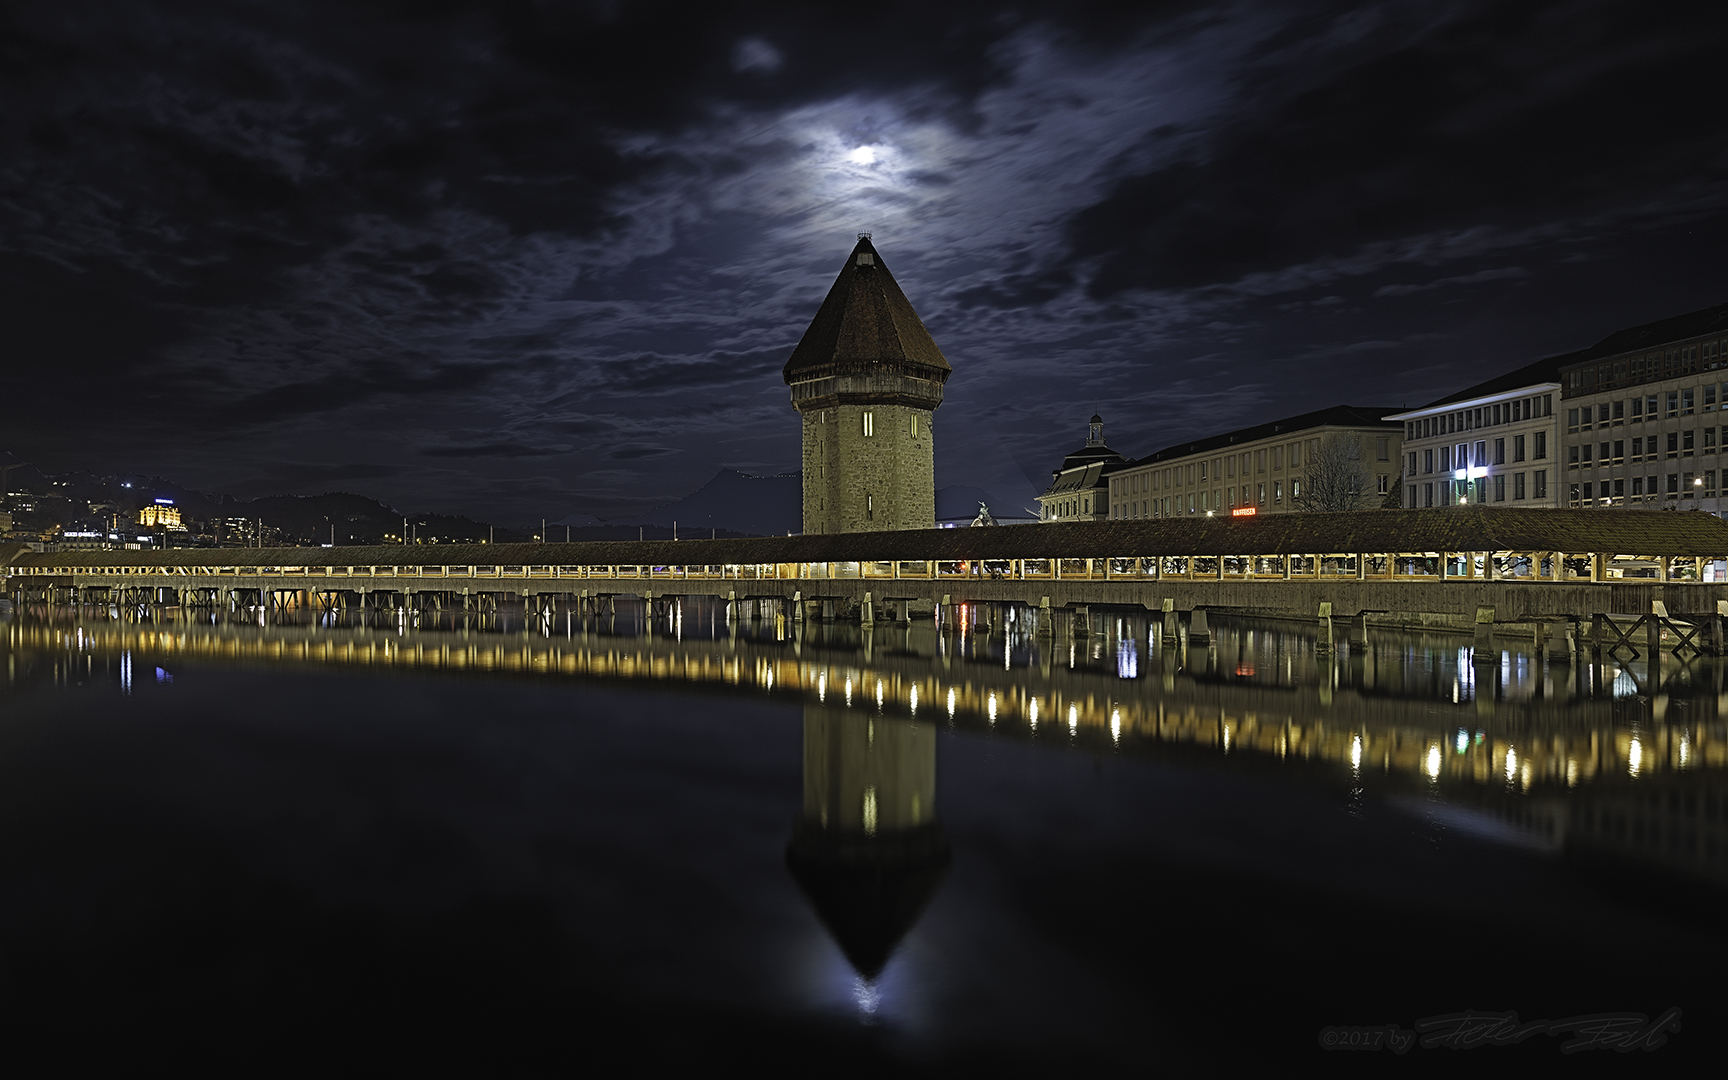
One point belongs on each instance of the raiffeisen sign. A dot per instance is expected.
(1244, 511)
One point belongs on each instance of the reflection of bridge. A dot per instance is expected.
(1395, 704)
(1598, 758)
(1517, 565)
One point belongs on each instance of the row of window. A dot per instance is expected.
(1666, 363)
(1685, 401)
(1488, 452)
(1674, 486)
(1483, 489)
(1674, 444)
(1273, 459)
(1209, 501)
(867, 421)
(1219, 500)
(1067, 508)
(1505, 412)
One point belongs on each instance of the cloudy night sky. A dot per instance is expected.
(532, 259)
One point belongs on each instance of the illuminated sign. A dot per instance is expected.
(1244, 511)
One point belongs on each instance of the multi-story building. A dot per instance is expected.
(161, 514)
(1267, 468)
(1493, 443)
(1080, 489)
(1646, 416)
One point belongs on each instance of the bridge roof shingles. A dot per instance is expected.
(1375, 531)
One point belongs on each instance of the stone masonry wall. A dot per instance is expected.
(855, 483)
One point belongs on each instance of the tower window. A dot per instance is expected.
(869, 422)
(869, 504)
(914, 428)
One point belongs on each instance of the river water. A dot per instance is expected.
(666, 838)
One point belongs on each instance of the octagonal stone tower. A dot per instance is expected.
(866, 379)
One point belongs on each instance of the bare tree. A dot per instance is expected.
(1337, 477)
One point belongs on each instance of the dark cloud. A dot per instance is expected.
(272, 245)
(638, 453)
(495, 449)
(1515, 113)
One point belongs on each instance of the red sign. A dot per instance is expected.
(1244, 511)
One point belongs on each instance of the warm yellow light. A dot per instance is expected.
(1433, 761)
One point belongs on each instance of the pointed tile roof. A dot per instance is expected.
(865, 321)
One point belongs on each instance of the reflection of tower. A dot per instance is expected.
(866, 379)
(867, 851)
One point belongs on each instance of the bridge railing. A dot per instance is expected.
(1532, 566)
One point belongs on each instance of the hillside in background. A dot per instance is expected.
(731, 503)
(749, 505)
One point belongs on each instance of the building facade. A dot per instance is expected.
(1494, 446)
(1080, 489)
(866, 379)
(1268, 468)
(1643, 417)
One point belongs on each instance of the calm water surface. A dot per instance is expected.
(669, 838)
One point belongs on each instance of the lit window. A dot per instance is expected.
(869, 422)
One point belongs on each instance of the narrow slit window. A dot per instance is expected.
(869, 423)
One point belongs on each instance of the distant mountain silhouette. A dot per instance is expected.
(750, 505)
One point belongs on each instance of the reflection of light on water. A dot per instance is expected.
(950, 703)
(1624, 685)
(878, 695)
(1115, 725)
(848, 689)
(1511, 762)
(869, 811)
(1463, 740)
(1635, 757)
(1433, 765)
(868, 999)
(990, 707)
(1524, 776)
(126, 672)
(1356, 753)
(1127, 659)
(1032, 713)
(1226, 738)
(822, 687)
(914, 699)
(1571, 772)
(1073, 718)
(1685, 750)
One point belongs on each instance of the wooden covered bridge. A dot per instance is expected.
(1425, 567)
